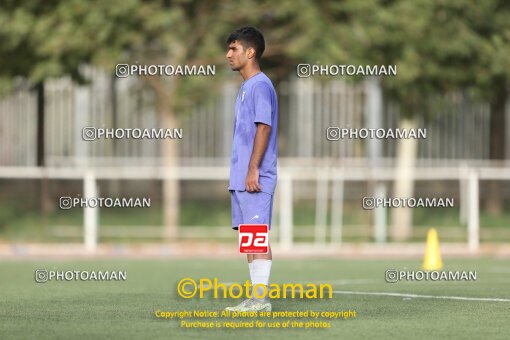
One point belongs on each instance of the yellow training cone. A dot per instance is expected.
(432, 259)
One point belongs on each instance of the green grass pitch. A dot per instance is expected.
(125, 310)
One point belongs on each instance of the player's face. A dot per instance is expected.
(237, 56)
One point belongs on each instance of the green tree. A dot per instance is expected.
(439, 46)
(56, 38)
(475, 55)
(51, 39)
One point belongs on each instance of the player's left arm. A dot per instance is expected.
(259, 148)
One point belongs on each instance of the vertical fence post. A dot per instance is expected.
(286, 222)
(464, 194)
(90, 214)
(474, 215)
(321, 208)
(380, 229)
(337, 205)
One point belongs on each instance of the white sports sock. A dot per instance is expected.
(261, 270)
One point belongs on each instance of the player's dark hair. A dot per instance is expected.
(249, 37)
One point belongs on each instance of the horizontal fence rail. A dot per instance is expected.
(468, 178)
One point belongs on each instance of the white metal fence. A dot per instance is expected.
(458, 130)
(327, 201)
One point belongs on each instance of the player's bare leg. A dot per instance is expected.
(268, 256)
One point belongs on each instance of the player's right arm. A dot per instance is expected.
(259, 148)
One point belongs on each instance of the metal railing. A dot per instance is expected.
(334, 177)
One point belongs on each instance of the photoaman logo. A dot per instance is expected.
(188, 288)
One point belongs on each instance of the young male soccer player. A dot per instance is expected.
(254, 153)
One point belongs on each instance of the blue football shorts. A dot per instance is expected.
(251, 208)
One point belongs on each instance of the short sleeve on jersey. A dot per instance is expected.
(262, 102)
